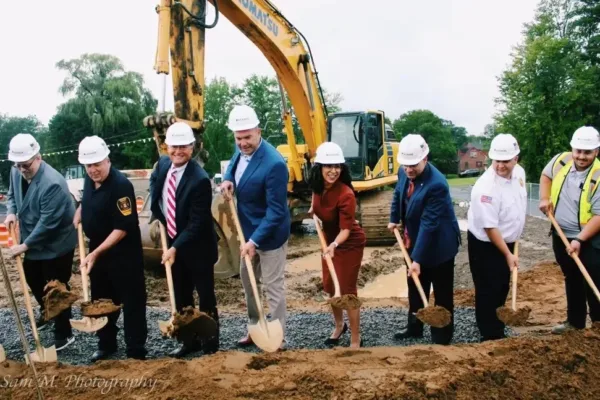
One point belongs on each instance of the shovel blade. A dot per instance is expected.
(87, 324)
(165, 327)
(267, 336)
(43, 355)
(2, 354)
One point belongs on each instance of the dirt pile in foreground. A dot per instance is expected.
(547, 367)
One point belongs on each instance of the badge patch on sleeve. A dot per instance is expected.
(124, 205)
(486, 199)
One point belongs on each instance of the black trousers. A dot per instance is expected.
(38, 273)
(491, 277)
(188, 274)
(442, 278)
(120, 278)
(579, 293)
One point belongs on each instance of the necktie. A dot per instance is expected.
(409, 192)
(171, 190)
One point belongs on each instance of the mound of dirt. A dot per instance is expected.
(436, 316)
(543, 367)
(346, 302)
(513, 318)
(99, 308)
(57, 299)
(191, 323)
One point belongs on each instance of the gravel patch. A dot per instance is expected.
(304, 331)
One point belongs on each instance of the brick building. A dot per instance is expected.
(471, 156)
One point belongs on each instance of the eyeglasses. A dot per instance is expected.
(23, 166)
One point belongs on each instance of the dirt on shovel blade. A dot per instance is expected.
(190, 324)
(99, 308)
(437, 316)
(511, 317)
(346, 302)
(57, 299)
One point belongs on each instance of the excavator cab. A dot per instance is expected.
(363, 139)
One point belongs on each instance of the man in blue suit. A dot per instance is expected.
(423, 207)
(258, 174)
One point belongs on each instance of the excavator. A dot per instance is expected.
(368, 143)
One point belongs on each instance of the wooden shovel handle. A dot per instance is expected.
(575, 257)
(82, 255)
(165, 248)
(336, 282)
(514, 279)
(249, 266)
(408, 264)
(19, 260)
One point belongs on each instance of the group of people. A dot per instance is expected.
(257, 176)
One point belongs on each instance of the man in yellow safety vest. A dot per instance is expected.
(568, 189)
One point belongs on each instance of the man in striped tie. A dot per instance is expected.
(181, 199)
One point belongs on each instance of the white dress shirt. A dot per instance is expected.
(498, 202)
(243, 164)
(172, 170)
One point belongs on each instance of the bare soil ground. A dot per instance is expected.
(534, 365)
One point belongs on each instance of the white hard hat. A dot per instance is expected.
(329, 153)
(586, 138)
(504, 147)
(92, 149)
(23, 147)
(242, 118)
(179, 134)
(413, 149)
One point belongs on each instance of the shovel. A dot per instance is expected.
(512, 316)
(191, 322)
(575, 257)
(436, 316)
(41, 354)
(86, 324)
(347, 301)
(2, 354)
(266, 335)
(20, 328)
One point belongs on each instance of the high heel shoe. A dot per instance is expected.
(334, 341)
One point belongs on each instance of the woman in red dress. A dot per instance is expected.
(334, 204)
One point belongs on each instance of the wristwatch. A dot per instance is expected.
(579, 240)
(335, 244)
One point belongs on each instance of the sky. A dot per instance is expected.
(392, 55)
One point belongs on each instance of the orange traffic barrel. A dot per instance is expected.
(5, 239)
(139, 202)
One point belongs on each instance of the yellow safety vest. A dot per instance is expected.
(561, 169)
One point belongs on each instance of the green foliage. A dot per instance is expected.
(442, 136)
(551, 88)
(105, 100)
(9, 127)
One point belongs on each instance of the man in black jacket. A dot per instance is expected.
(181, 198)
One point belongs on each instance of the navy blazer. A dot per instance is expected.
(262, 197)
(429, 217)
(196, 236)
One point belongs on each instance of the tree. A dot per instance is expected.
(436, 132)
(551, 87)
(9, 127)
(105, 100)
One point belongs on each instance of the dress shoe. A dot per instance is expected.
(186, 349)
(60, 344)
(245, 341)
(562, 328)
(102, 355)
(409, 333)
(334, 341)
(137, 353)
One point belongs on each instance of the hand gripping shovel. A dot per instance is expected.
(436, 316)
(512, 316)
(41, 354)
(189, 324)
(86, 324)
(575, 257)
(347, 301)
(267, 335)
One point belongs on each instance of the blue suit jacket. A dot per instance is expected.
(262, 197)
(429, 217)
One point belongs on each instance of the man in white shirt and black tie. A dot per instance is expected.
(181, 198)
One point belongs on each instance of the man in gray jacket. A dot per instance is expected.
(39, 197)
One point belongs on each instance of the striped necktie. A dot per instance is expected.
(171, 190)
(409, 192)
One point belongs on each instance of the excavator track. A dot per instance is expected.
(374, 215)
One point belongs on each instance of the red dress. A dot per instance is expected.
(336, 208)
